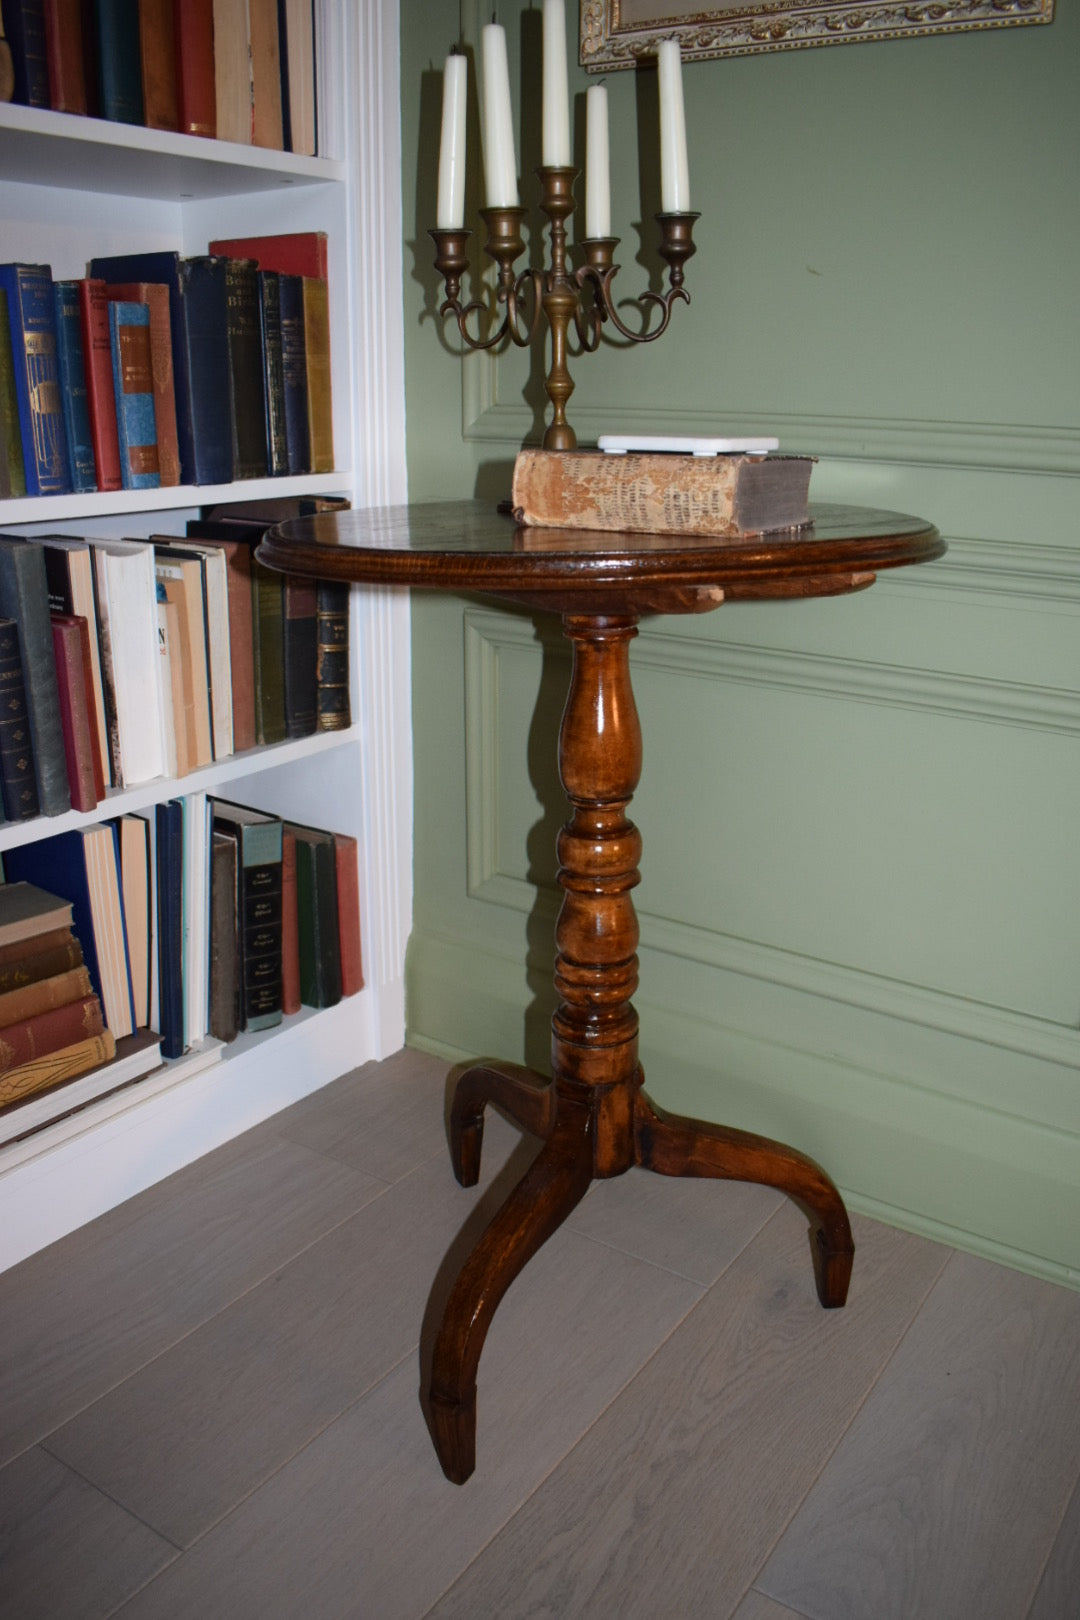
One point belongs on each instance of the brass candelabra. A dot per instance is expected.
(582, 297)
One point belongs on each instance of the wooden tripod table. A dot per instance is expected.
(595, 1118)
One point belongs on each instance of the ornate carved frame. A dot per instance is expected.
(614, 33)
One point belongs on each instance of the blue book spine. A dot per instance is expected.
(206, 342)
(163, 267)
(294, 373)
(119, 60)
(133, 379)
(24, 28)
(32, 322)
(169, 819)
(73, 386)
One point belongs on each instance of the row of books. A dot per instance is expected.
(122, 661)
(240, 70)
(158, 370)
(196, 918)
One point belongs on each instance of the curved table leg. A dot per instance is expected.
(675, 1146)
(554, 1183)
(526, 1096)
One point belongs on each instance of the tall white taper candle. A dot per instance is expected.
(500, 160)
(555, 142)
(674, 174)
(597, 173)
(450, 202)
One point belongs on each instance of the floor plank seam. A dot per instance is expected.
(1070, 1497)
(107, 1496)
(672, 1271)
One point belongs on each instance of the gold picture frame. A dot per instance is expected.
(614, 33)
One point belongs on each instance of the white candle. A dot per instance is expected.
(450, 204)
(500, 161)
(555, 143)
(597, 174)
(674, 174)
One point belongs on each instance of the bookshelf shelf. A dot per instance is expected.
(41, 148)
(179, 192)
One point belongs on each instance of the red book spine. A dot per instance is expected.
(290, 926)
(346, 857)
(295, 253)
(196, 95)
(80, 752)
(49, 1031)
(100, 392)
(157, 51)
(64, 56)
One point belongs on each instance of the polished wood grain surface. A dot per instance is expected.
(593, 1113)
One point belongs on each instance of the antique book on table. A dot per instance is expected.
(723, 496)
(258, 846)
(155, 295)
(196, 98)
(17, 779)
(73, 395)
(133, 381)
(24, 597)
(36, 371)
(100, 389)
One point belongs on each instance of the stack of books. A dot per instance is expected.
(237, 70)
(157, 370)
(52, 1026)
(122, 661)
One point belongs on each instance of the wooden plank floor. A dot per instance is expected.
(208, 1402)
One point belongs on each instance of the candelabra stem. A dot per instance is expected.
(560, 300)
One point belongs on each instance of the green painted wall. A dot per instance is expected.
(861, 883)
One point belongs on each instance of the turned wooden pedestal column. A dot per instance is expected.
(593, 1116)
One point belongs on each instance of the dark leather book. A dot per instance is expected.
(165, 267)
(317, 355)
(133, 382)
(36, 369)
(24, 27)
(155, 295)
(57, 951)
(267, 599)
(73, 394)
(347, 856)
(24, 597)
(31, 1038)
(209, 370)
(100, 392)
(17, 778)
(317, 914)
(66, 56)
(294, 373)
(119, 60)
(157, 54)
(258, 846)
(299, 649)
(290, 926)
(12, 474)
(71, 648)
(333, 710)
(224, 939)
(195, 94)
(246, 375)
(273, 370)
(169, 828)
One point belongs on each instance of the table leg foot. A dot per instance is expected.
(675, 1146)
(526, 1096)
(554, 1183)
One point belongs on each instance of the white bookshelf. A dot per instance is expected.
(72, 189)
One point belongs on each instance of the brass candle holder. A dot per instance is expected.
(564, 295)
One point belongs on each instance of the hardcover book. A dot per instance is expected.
(36, 370)
(179, 577)
(66, 56)
(58, 990)
(290, 926)
(317, 913)
(54, 1067)
(294, 373)
(258, 844)
(72, 584)
(224, 940)
(317, 356)
(237, 555)
(119, 60)
(246, 378)
(155, 295)
(266, 119)
(332, 701)
(133, 381)
(157, 52)
(214, 576)
(24, 597)
(16, 751)
(721, 496)
(133, 848)
(100, 391)
(299, 656)
(71, 649)
(206, 349)
(195, 94)
(57, 951)
(232, 71)
(49, 1031)
(24, 27)
(296, 27)
(273, 370)
(295, 253)
(127, 610)
(27, 912)
(69, 346)
(169, 825)
(12, 474)
(347, 853)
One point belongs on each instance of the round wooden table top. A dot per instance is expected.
(470, 546)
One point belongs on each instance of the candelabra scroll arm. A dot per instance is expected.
(505, 244)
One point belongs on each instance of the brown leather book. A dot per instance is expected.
(26, 961)
(196, 101)
(224, 940)
(157, 49)
(65, 56)
(346, 855)
(155, 295)
(32, 1038)
(65, 1064)
(71, 649)
(319, 400)
(100, 389)
(28, 1000)
(290, 926)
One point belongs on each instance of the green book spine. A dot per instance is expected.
(12, 475)
(268, 649)
(317, 914)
